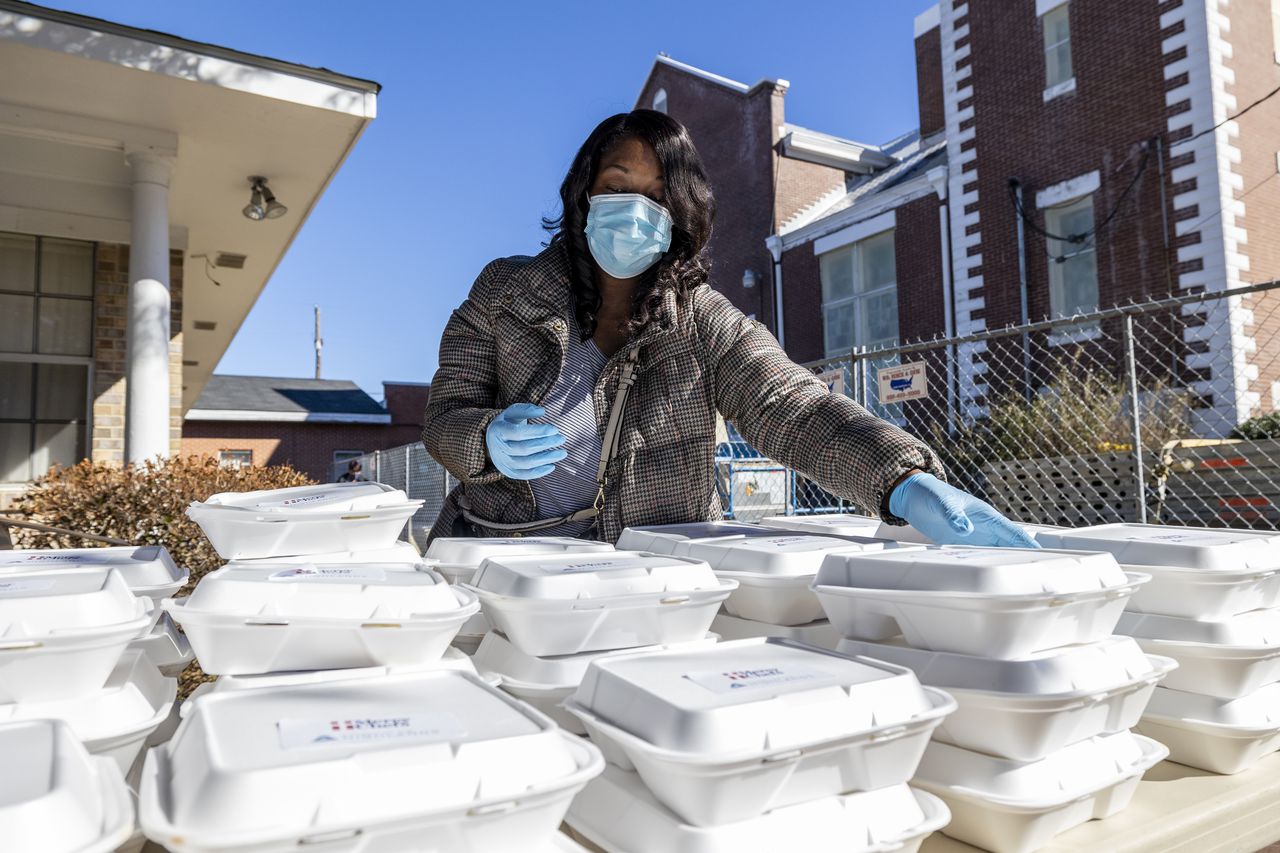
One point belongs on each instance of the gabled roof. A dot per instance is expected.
(271, 398)
(727, 83)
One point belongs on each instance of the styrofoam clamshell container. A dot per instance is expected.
(1027, 708)
(545, 682)
(252, 618)
(617, 813)
(839, 524)
(400, 551)
(1229, 658)
(61, 633)
(1015, 807)
(416, 761)
(728, 732)
(165, 646)
(55, 797)
(775, 572)
(1218, 735)
(907, 533)
(458, 557)
(114, 720)
(820, 632)
(303, 520)
(973, 623)
(563, 604)
(664, 538)
(148, 569)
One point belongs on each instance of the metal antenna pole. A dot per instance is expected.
(318, 340)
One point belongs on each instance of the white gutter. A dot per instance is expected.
(774, 244)
(286, 417)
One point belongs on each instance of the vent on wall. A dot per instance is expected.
(187, 363)
(229, 261)
(204, 325)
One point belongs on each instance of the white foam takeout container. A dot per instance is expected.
(907, 533)
(836, 524)
(303, 520)
(399, 551)
(774, 572)
(1027, 708)
(1218, 735)
(1229, 658)
(987, 602)
(115, 720)
(1197, 573)
(259, 617)
(617, 813)
(422, 761)
(663, 538)
(563, 604)
(147, 569)
(165, 646)
(728, 732)
(545, 682)
(820, 632)
(1016, 807)
(458, 557)
(62, 632)
(55, 797)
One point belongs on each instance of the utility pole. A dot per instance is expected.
(319, 341)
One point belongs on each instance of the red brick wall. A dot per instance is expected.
(406, 403)
(308, 447)
(917, 251)
(800, 184)
(802, 303)
(929, 95)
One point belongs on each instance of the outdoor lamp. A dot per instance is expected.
(261, 192)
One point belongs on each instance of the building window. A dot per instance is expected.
(235, 459)
(1073, 267)
(1057, 51)
(660, 100)
(344, 455)
(46, 334)
(860, 295)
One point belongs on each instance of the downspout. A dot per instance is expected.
(938, 178)
(1024, 317)
(774, 243)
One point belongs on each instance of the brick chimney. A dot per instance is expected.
(929, 72)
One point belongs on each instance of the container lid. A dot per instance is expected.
(1062, 776)
(1205, 549)
(296, 760)
(400, 552)
(661, 538)
(577, 576)
(472, 551)
(452, 659)
(500, 656)
(324, 497)
(1253, 628)
(45, 603)
(376, 590)
(1086, 668)
(141, 566)
(840, 523)
(747, 695)
(135, 696)
(960, 568)
(54, 795)
(778, 554)
(617, 805)
(1257, 710)
(907, 533)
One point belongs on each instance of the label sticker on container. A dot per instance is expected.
(307, 733)
(735, 680)
(33, 585)
(329, 573)
(18, 558)
(590, 566)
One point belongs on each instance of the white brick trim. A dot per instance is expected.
(1069, 190)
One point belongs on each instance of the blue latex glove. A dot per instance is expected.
(949, 516)
(519, 449)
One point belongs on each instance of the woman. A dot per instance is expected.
(578, 389)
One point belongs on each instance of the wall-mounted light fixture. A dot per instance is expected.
(262, 204)
(749, 279)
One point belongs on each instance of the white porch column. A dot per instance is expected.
(146, 424)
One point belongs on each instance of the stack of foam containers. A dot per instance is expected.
(1213, 604)
(753, 746)
(774, 570)
(458, 558)
(556, 612)
(1047, 695)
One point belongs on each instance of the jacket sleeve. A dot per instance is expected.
(787, 413)
(464, 389)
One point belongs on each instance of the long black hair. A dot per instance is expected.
(687, 197)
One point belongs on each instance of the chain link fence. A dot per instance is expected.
(411, 469)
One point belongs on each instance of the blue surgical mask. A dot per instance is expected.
(627, 233)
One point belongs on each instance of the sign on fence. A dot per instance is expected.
(902, 382)
(834, 380)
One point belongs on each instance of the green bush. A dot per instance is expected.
(1256, 429)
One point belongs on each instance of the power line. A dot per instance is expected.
(1207, 131)
(1218, 212)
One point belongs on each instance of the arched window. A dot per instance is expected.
(660, 100)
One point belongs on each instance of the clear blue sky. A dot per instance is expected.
(482, 108)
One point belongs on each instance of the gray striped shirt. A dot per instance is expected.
(572, 485)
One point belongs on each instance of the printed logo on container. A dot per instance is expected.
(589, 566)
(309, 733)
(9, 587)
(736, 680)
(328, 573)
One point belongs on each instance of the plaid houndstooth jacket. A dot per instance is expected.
(506, 344)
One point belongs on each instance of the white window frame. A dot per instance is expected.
(660, 100)
(1057, 284)
(1055, 88)
(347, 455)
(858, 297)
(239, 466)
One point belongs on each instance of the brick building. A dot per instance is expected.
(311, 424)
(1107, 119)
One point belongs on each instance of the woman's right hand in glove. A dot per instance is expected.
(519, 449)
